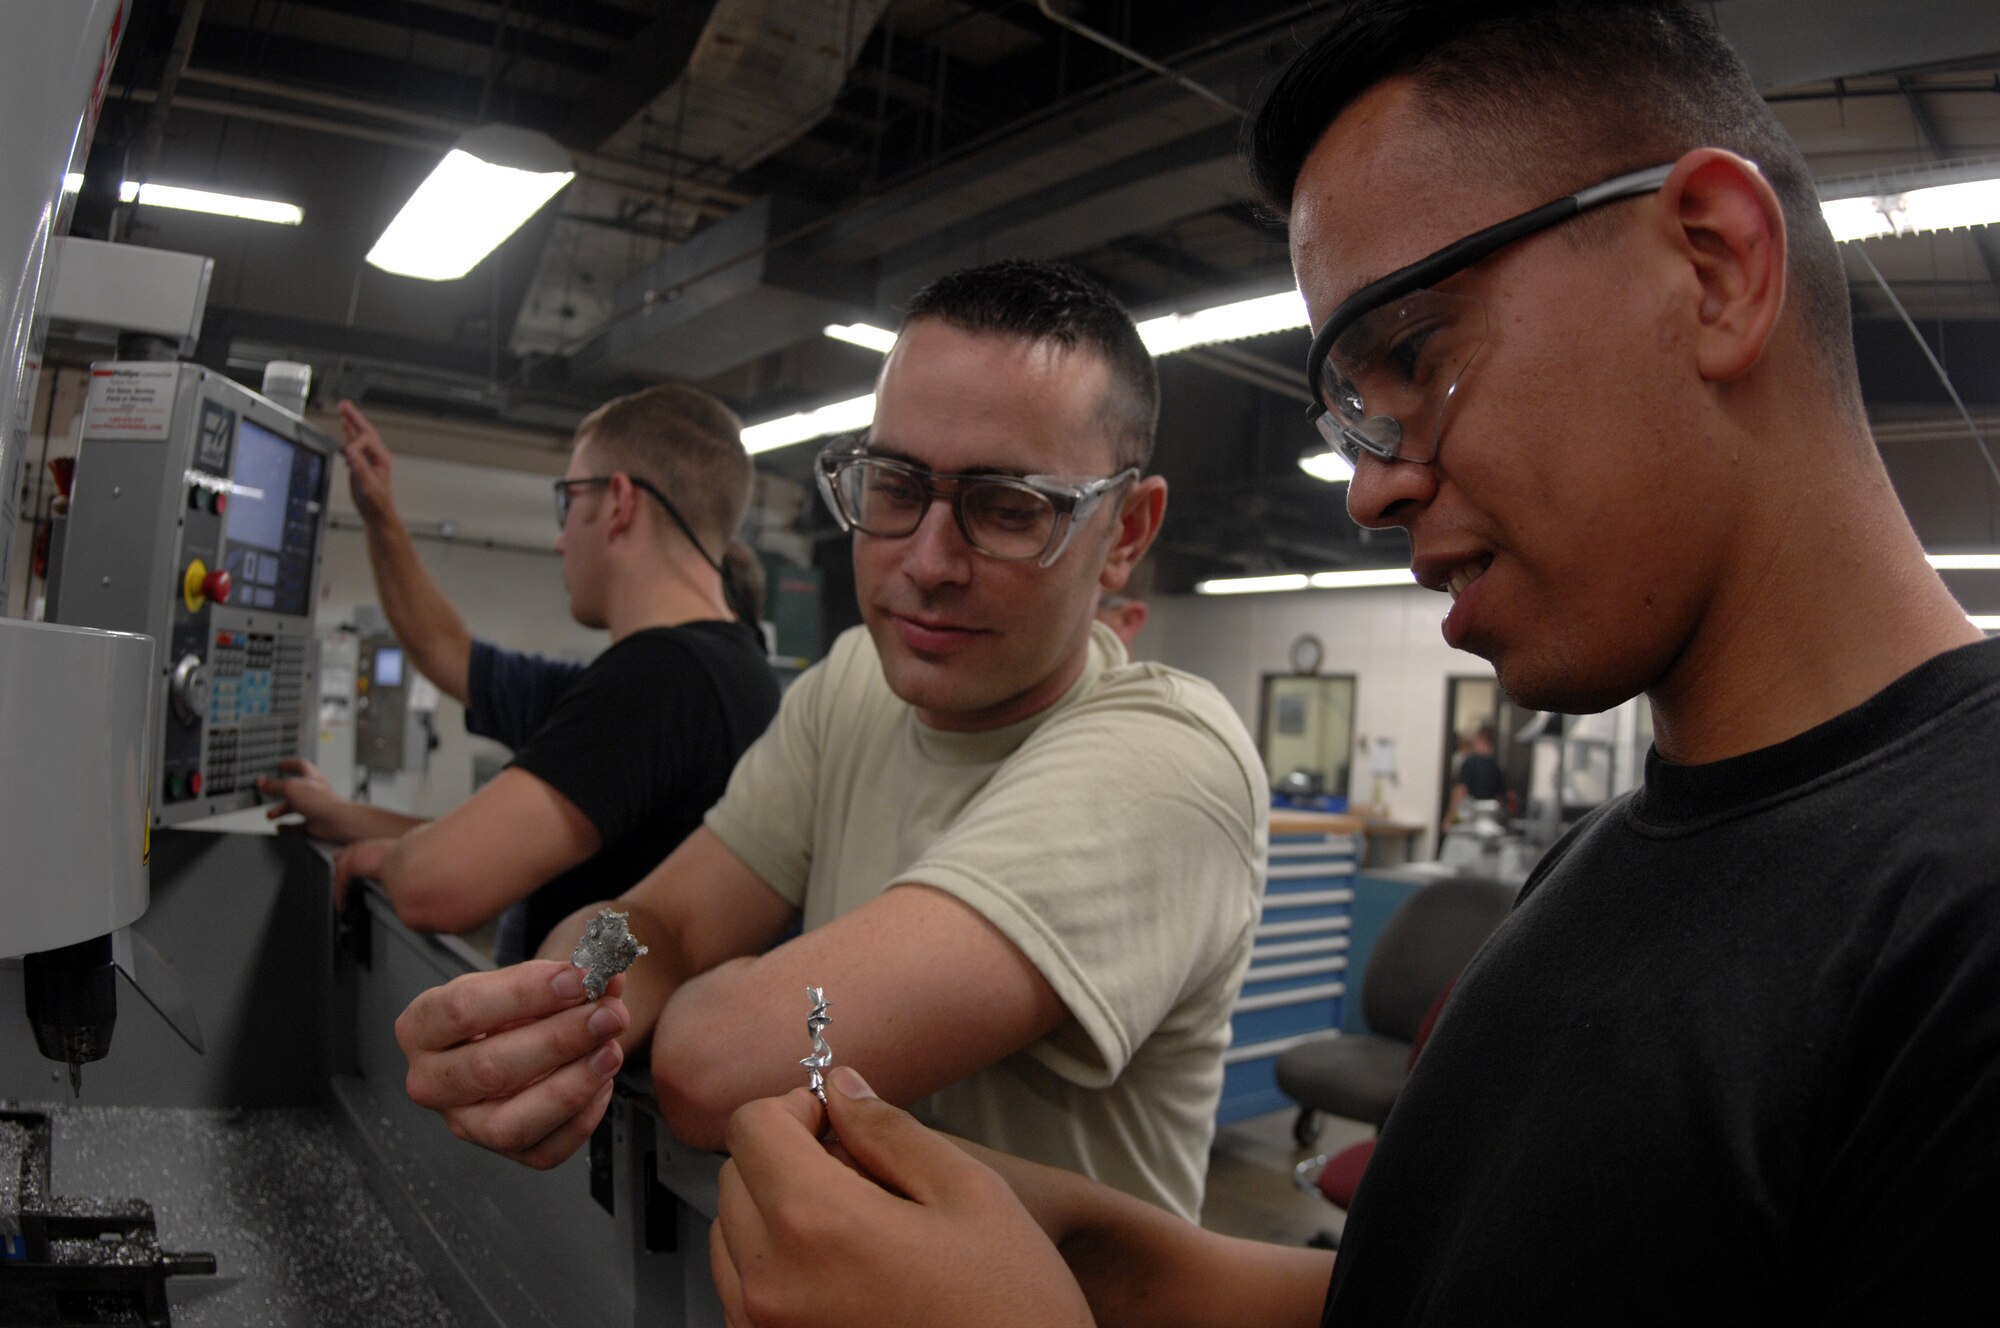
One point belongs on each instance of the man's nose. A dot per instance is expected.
(937, 552)
(1389, 493)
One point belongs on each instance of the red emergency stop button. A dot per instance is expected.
(216, 585)
(194, 780)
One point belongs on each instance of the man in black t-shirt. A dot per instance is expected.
(1480, 778)
(615, 762)
(1735, 1058)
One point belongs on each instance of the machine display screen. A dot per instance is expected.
(388, 667)
(273, 521)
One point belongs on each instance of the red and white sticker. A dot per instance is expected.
(133, 401)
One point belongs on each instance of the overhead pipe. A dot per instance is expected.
(1117, 48)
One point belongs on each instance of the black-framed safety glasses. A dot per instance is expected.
(1386, 363)
(566, 488)
(1013, 518)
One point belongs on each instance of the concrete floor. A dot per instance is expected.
(1250, 1188)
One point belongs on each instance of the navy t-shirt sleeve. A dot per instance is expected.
(509, 693)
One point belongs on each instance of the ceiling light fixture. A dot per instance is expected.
(1985, 622)
(1162, 336)
(1253, 585)
(491, 182)
(840, 417)
(1225, 322)
(1360, 578)
(199, 200)
(865, 335)
(1326, 465)
(1950, 196)
(1964, 562)
(1364, 579)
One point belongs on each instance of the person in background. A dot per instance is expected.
(1126, 611)
(1735, 1057)
(614, 763)
(1028, 870)
(1479, 777)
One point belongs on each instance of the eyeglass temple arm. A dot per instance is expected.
(1461, 254)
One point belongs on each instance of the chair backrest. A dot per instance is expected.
(1430, 937)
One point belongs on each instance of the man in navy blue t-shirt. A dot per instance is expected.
(614, 762)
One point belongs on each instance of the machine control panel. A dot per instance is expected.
(196, 517)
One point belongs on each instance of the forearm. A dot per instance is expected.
(423, 619)
(359, 820)
(1141, 1266)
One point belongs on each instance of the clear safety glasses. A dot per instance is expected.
(1384, 366)
(1008, 517)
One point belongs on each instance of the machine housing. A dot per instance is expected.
(197, 518)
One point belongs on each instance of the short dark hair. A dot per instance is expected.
(687, 443)
(1559, 94)
(1054, 302)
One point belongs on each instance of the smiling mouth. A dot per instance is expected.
(1466, 575)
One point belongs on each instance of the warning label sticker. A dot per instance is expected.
(133, 401)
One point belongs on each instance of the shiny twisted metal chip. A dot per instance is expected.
(822, 1054)
(606, 949)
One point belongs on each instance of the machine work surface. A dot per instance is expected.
(298, 1238)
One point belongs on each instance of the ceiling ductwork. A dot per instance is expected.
(762, 74)
(733, 293)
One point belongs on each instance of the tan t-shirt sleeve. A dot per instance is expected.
(1121, 850)
(765, 816)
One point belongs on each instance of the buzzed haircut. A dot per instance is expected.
(687, 444)
(1054, 302)
(1560, 94)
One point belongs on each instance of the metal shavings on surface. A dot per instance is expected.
(13, 1154)
(822, 1055)
(275, 1193)
(606, 949)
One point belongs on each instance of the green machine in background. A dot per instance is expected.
(791, 613)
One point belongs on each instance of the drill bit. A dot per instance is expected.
(75, 1080)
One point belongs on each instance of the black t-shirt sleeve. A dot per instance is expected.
(626, 736)
(509, 693)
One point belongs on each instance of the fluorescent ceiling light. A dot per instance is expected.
(1357, 579)
(484, 189)
(1326, 465)
(840, 417)
(1964, 562)
(1946, 206)
(1164, 335)
(1225, 322)
(865, 335)
(201, 200)
(1252, 585)
(1364, 579)
(1985, 622)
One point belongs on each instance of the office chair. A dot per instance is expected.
(1429, 938)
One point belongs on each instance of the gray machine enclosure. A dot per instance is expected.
(237, 690)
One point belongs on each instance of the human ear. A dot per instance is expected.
(621, 503)
(1732, 229)
(1140, 512)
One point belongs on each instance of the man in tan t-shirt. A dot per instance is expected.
(1028, 870)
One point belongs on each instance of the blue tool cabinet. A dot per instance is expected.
(1298, 969)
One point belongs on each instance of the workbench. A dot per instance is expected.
(290, 1152)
